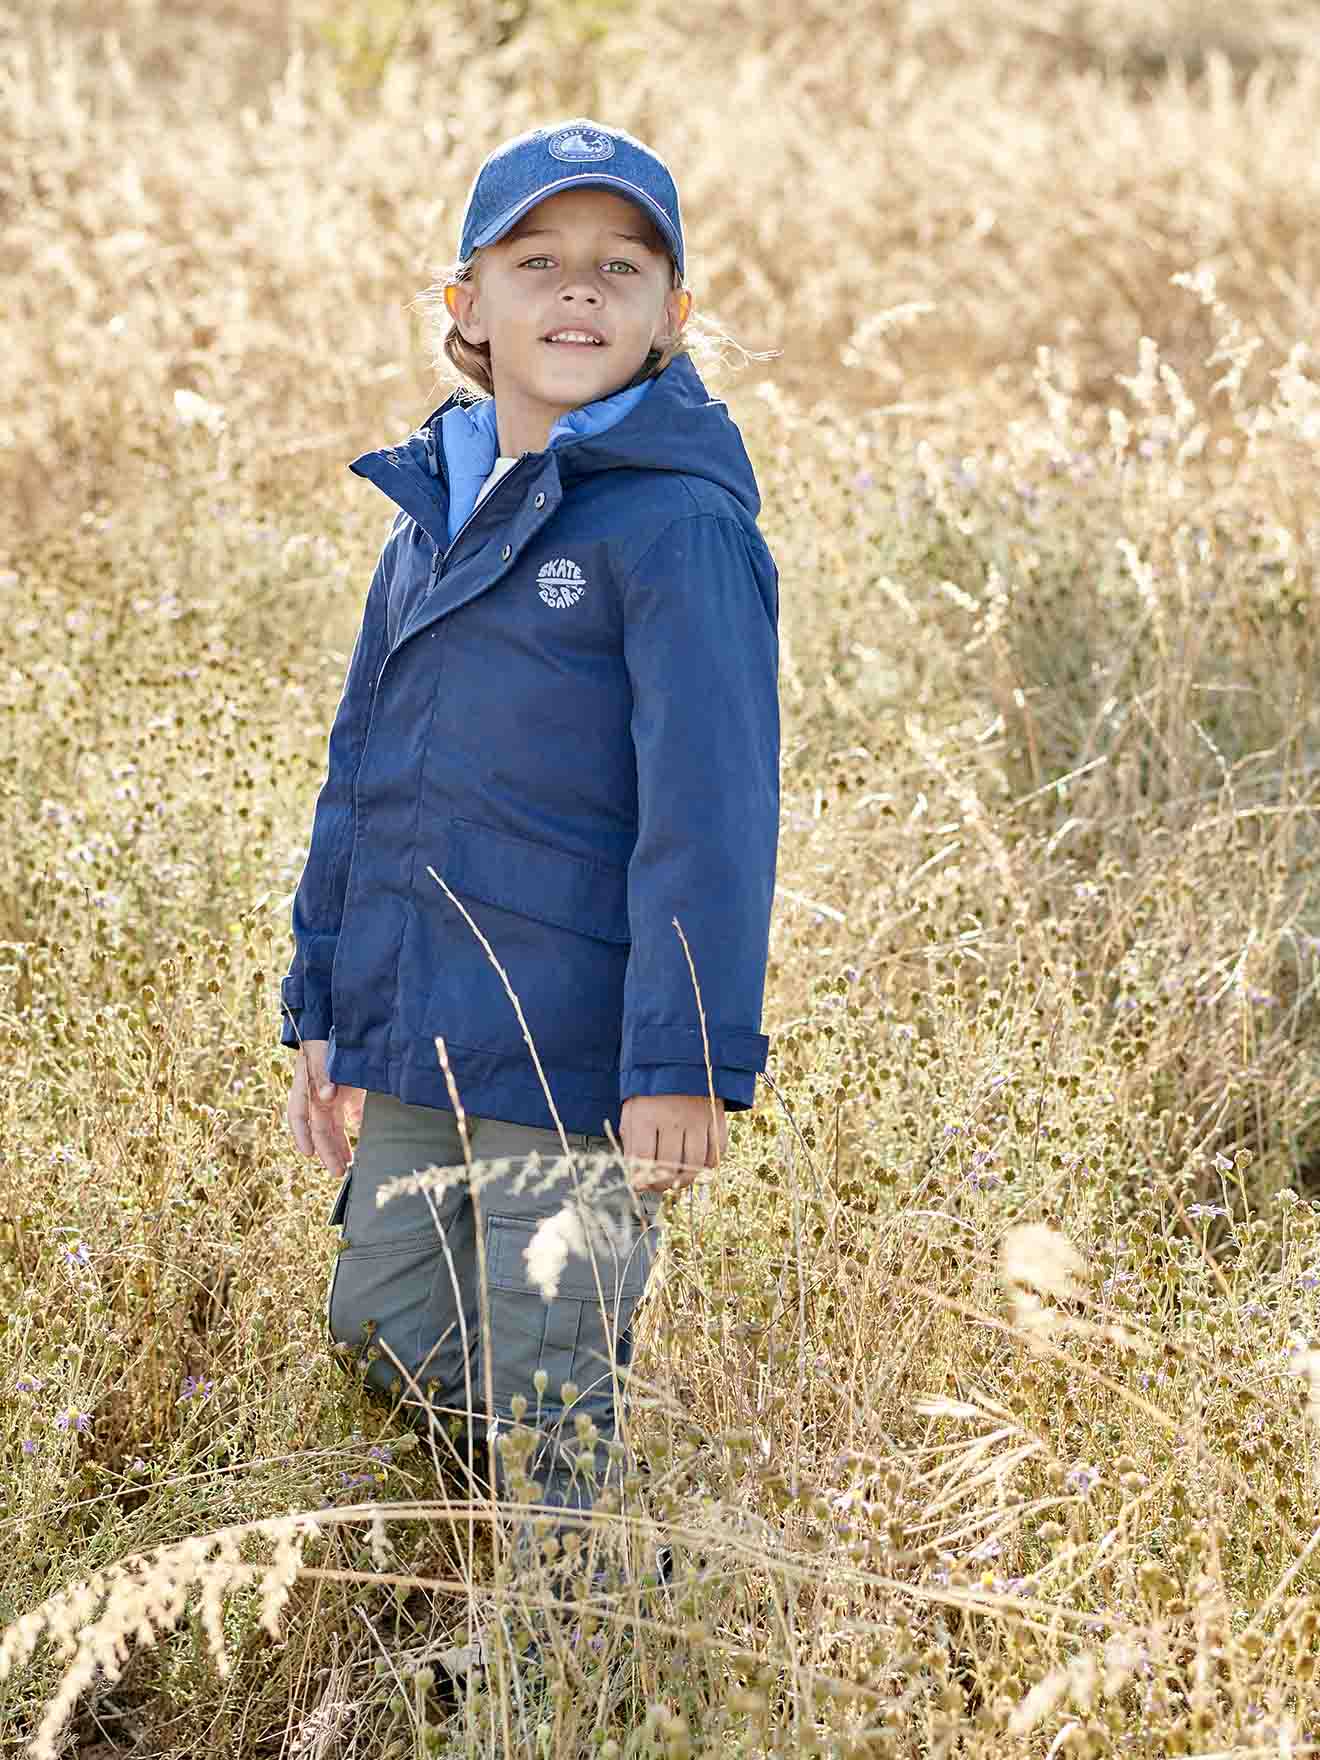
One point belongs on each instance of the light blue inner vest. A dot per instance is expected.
(471, 441)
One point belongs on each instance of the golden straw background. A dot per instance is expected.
(979, 1387)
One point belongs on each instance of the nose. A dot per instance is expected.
(580, 283)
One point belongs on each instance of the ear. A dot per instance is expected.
(678, 309)
(462, 305)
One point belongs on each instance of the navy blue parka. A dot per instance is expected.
(570, 712)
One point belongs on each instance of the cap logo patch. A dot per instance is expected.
(560, 583)
(573, 144)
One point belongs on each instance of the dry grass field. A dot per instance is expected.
(980, 1388)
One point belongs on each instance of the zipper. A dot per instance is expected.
(428, 440)
(435, 572)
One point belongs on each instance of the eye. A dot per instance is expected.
(631, 267)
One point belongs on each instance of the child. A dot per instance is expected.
(562, 699)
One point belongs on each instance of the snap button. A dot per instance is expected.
(539, 502)
(506, 553)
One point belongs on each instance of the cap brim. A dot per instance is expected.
(592, 180)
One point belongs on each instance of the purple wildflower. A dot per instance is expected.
(981, 1177)
(29, 1446)
(79, 1420)
(194, 1386)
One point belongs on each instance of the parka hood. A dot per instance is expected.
(668, 423)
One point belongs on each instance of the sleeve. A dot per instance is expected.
(702, 650)
(318, 903)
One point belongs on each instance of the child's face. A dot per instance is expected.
(566, 266)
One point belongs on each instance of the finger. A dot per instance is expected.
(328, 1136)
(693, 1159)
(644, 1147)
(297, 1112)
(298, 1124)
(670, 1155)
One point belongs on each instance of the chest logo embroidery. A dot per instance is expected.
(560, 582)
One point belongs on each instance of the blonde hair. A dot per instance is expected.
(457, 362)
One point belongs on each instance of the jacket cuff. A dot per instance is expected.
(734, 1048)
(736, 1087)
(302, 1017)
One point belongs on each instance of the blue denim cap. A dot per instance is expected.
(575, 154)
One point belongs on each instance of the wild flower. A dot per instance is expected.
(194, 1388)
(979, 1176)
(1082, 1477)
(1199, 1212)
(30, 1446)
(78, 1420)
(29, 1384)
(77, 1255)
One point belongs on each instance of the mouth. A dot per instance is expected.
(576, 342)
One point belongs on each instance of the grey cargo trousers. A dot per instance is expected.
(407, 1276)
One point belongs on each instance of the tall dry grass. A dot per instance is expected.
(977, 1388)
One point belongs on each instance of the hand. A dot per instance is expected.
(677, 1132)
(319, 1109)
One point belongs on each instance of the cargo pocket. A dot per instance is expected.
(571, 1337)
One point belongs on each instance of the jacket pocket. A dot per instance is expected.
(538, 881)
